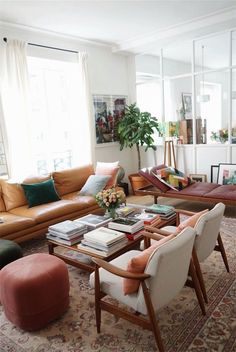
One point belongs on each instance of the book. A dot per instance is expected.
(105, 248)
(104, 236)
(66, 227)
(68, 236)
(160, 209)
(130, 225)
(93, 221)
(148, 218)
(90, 251)
(63, 240)
(133, 236)
(125, 211)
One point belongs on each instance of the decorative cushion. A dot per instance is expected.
(149, 174)
(174, 178)
(191, 221)
(40, 193)
(94, 184)
(110, 169)
(138, 265)
(71, 180)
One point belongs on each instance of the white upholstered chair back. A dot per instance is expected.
(168, 267)
(207, 229)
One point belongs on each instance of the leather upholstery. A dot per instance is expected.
(71, 180)
(200, 189)
(22, 223)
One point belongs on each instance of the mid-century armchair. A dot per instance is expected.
(207, 239)
(165, 275)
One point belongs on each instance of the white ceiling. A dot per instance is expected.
(133, 26)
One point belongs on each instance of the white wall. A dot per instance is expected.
(111, 74)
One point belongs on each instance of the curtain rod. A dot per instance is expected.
(48, 47)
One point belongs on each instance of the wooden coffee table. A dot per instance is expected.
(88, 265)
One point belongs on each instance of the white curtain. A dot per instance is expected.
(85, 133)
(15, 108)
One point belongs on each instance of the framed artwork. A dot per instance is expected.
(187, 105)
(227, 174)
(198, 177)
(108, 109)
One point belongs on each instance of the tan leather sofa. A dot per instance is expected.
(22, 223)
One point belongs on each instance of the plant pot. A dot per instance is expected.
(137, 181)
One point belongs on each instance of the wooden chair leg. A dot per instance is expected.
(97, 299)
(152, 317)
(196, 285)
(222, 251)
(199, 275)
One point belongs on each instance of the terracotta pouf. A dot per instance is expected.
(34, 290)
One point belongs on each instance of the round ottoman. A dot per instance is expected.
(34, 290)
(9, 251)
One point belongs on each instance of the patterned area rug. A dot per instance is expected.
(183, 327)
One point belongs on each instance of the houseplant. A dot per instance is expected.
(136, 128)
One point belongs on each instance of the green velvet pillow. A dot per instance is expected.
(40, 193)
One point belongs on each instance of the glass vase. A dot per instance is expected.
(112, 213)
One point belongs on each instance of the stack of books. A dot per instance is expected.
(129, 225)
(166, 212)
(148, 218)
(102, 241)
(66, 232)
(93, 221)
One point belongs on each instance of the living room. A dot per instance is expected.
(175, 59)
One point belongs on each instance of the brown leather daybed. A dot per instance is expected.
(197, 191)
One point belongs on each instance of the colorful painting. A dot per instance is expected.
(109, 109)
(227, 174)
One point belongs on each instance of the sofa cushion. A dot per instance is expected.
(223, 192)
(13, 223)
(191, 221)
(110, 169)
(2, 204)
(13, 193)
(71, 180)
(198, 189)
(48, 211)
(94, 184)
(40, 193)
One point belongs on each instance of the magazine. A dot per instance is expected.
(66, 227)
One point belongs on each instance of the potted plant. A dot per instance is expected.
(136, 128)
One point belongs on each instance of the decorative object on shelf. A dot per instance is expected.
(187, 105)
(169, 154)
(109, 109)
(110, 199)
(220, 136)
(198, 177)
(227, 174)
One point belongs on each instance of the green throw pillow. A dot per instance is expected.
(93, 185)
(40, 193)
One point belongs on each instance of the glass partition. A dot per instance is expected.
(233, 140)
(212, 107)
(234, 48)
(177, 59)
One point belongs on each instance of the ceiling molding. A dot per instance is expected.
(138, 42)
(9, 25)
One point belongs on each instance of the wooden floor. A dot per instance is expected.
(179, 203)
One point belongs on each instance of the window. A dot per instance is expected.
(54, 116)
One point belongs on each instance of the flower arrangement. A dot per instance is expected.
(110, 199)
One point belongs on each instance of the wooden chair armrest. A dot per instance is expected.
(155, 230)
(120, 272)
(184, 212)
(154, 236)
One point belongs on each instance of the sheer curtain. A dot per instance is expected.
(15, 108)
(85, 127)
